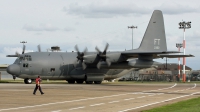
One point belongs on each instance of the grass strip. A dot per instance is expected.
(192, 105)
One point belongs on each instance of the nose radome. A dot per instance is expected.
(13, 69)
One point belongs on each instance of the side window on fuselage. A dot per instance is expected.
(25, 65)
(52, 69)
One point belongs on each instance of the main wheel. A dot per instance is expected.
(79, 81)
(28, 81)
(88, 82)
(71, 81)
(97, 82)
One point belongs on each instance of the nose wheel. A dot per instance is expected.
(28, 81)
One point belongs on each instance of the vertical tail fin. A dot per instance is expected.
(154, 38)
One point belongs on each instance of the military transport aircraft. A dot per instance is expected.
(94, 66)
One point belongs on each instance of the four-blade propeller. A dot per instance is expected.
(17, 54)
(39, 48)
(102, 56)
(80, 57)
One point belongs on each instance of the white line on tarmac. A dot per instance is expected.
(56, 111)
(13, 90)
(154, 103)
(129, 99)
(160, 93)
(74, 100)
(113, 102)
(77, 108)
(163, 88)
(97, 104)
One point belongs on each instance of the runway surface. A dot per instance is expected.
(118, 97)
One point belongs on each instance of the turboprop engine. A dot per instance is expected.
(99, 57)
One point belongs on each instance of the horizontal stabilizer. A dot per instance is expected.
(12, 56)
(176, 56)
(148, 52)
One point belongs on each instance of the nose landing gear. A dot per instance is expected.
(14, 77)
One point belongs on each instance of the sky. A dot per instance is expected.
(91, 23)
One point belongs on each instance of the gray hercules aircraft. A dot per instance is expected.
(95, 66)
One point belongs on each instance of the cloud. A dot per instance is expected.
(193, 39)
(41, 27)
(115, 9)
(68, 29)
(9, 50)
(196, 34)
(105, 10)
(173, 8)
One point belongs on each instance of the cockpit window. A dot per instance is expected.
(27, 58)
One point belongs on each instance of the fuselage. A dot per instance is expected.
(60, 65)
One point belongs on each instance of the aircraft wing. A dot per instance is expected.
(175, 56)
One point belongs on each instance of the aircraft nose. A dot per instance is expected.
(13, 69)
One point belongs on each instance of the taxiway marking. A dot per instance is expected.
(113, 102)
(129, 99)
(77, 108)
(56, 111)
(97, 104)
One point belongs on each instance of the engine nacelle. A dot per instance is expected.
(113, 58)
(143, 63)
(92, 58)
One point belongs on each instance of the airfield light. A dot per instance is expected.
(132, 27)
(23, 42)
(184, 25)
(179, 45)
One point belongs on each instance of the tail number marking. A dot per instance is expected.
(156, 43)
